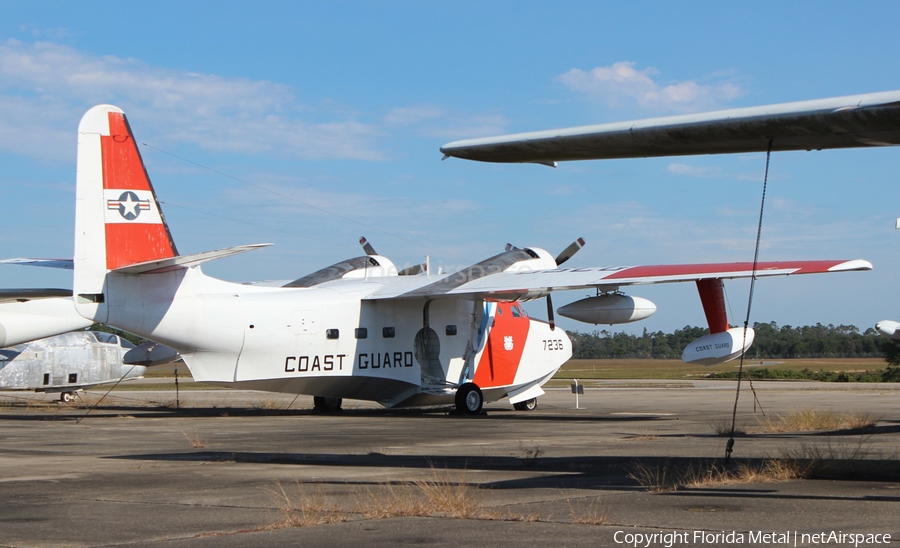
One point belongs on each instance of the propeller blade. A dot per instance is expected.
(568, 252)
(367, 247)
(550, 318)
(412, 270)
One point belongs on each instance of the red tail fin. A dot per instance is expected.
(135, 228)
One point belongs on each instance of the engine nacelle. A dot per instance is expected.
(609, 309)
(717, 348)
(540, 260)
(889, 328)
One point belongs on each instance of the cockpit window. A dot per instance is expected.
(516, 311)
(107, 338)
(127, 344)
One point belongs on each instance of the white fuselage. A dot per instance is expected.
(325, 340)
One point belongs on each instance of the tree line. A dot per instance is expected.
(772, 341)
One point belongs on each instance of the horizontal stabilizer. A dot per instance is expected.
(31, 294)
(66, 264)
(185, 260)
(837, 122)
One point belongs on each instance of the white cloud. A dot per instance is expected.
(712, 172)
(435, 121)
(694, 171)
(623, 83)
(414, 115)
(45, 87)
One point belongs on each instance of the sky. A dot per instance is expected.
(310, 124)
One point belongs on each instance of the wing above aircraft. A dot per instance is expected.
(839, 122)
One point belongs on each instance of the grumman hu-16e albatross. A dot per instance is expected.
(358, 329)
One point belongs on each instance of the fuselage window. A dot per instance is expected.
(387, 332)
(451, 330)
(73, 378)
(46, 378)
(332, 333)
(361, 332)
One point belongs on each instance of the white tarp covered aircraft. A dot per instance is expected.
(67, 363)
(359, 329)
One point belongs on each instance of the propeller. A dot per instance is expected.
(568, 252)
(550, 318)
(564, 256)
(367, 247)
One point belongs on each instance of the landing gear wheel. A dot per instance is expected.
(326, 404)
(67, 397)
(469, 399)
(527, 405)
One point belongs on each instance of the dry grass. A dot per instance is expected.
(594, 514)
(722, 427)
(811, 420)
(301, 505)
(439, 496)
(198, 440)
(269, 405)
(834, 459)
(676, 369)
(642, 437)
(662, 477)
(656, 477)
(842, 459)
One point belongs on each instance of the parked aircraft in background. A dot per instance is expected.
(67, 363)
(359, 329)
(890, 328)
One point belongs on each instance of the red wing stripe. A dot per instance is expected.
(658, 271)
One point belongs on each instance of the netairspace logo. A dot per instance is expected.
(766, 538)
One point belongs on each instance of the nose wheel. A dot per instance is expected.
(469, 399)
(527, 405)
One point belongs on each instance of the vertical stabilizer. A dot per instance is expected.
(118, 221)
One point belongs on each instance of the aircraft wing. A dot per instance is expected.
(838, 122)
(472, 283)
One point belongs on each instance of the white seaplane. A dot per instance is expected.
(360, 329)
